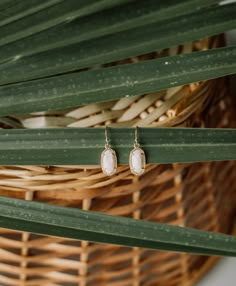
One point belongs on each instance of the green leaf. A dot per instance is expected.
(54, 15)
(24, 8)
(116, 82)
(121, 45)
(6, 4)
(83, 146)
(105, 22)
(86, 225)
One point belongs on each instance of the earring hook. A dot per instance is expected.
(136, 144)
(106, 137)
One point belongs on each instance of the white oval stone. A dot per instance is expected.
(108, 161)
(137, 161)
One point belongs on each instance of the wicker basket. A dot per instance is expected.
(196, 195)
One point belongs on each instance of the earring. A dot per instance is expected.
(108, 158)
(137, 159)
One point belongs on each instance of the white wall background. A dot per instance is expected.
(223, 274)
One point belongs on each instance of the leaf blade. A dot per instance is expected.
(83, 146)
(121, 45)
(116, 82)
(78, 224)
(22, 9)
(50, 17)
(110, 21)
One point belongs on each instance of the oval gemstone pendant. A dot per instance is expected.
(108, 161)
(137, 161)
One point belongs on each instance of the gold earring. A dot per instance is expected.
(137, 158)
(108, 157)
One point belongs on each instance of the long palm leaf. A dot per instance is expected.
(83, 146)
(74, 223)
(109, 21)
(114, 82)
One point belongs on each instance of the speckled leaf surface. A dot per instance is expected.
(121, 45)
(54, 15)
(83, 146)
(86, 225)
(116, 82)
(115, 19)
(24, 8)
